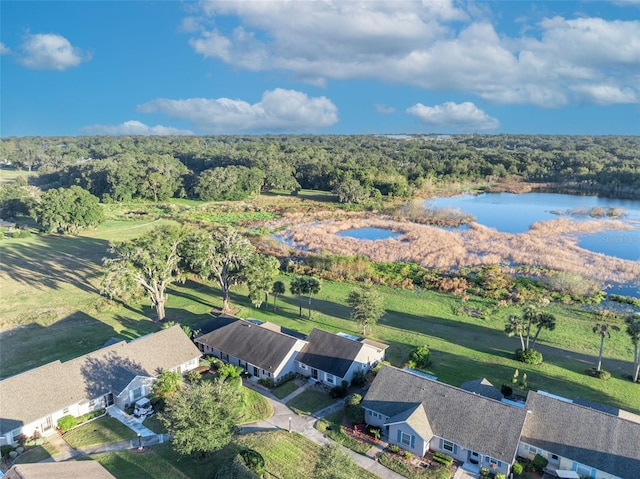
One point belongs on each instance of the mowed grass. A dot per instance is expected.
(101, 431)
(286, 455)
(284, 390)
(310, 401)
(331, 426)
(50, 289)
(255, 407)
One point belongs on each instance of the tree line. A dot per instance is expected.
(354, 167)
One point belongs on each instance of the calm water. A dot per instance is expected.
(511, 213)
(369, 233)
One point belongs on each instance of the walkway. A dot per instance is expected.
(131, 422)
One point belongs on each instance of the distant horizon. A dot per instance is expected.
(326, 67)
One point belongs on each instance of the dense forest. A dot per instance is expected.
(355, 167)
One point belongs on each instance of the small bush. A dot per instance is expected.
(529, 356)
(539, 463)
(67, 422)
(21, 439)
(602, 374)
(13, 454)
(443, 474)
(443, 458)
(420, 357)
(5, 450)
(407, 455)
(484, 473)
(359, 379)
(254, 461)
(517, 469)
(339, 391)
(394, 448)
(379, 365)
(352, 409)
(499, 476)
(506, 390)
(267, 382)
(193, 377)
(229, 370)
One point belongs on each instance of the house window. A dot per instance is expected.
(555, 459)
(65, 411)
(303, 366)
(331, 378)
(405, 439)
(92, 403)
(15, 434)
(137, 393)
(447, 446)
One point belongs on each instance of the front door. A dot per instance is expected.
(314, 374)
(474, 457)
(47, 423)
(255, 371)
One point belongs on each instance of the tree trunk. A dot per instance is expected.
(225, 300)
(160, 310)
(275, 297)
(535, 338)
(266, 300)
(636, 355)
(300, 303)
(522, 342)
(600, 355)
(309, 307)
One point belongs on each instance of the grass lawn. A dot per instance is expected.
(155, 425)
(255, 407)
(310, 401)
(287, 456)
(331, 426)
(284, 390)
(102, 430)
(35, 454)
(51, 283)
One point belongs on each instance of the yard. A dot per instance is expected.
(102, 430)
(332, 426)
(287, 456)
(310, 401)
(285, 389)
(255, 407)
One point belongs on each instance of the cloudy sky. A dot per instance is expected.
(325, 66)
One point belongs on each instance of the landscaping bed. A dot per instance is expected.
(334, 426)
(415, 467)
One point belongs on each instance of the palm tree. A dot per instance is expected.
(633, 330)
(604, 330)
(277, 289)
(543, 321)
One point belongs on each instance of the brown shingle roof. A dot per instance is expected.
(249, 342)
(472, 421)
(591, 437)
(57, 385)
(329, 352)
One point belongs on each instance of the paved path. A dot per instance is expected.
(131, 422)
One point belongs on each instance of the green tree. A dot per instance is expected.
(15, 199)
(298, 287)
(542, 321)
(167, 383)
(68, 210)
(493, 281)
(277, 289)
(149, 263)
(633, 330)
(261, 271)
(366, 306)
(305, 286)
(351, 191)
(333, 463)
(228, 183)
(353, 410)
(523, 325)
(222, 255)
(201, 418)
(604, 331)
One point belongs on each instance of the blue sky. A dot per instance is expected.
(325, 67)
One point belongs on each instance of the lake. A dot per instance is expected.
(369, 233)
(514, 213)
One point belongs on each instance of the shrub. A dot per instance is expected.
(67, 422)
(379, 365)
(484, 473)
(193, 377)
(443, 458)
(602, 374)
(13, 454)
(339, 391)
(539, 463)
(407, 455)
(235, 382)
(517, 469)
(21, 439)
(506, 390)
(352, 409)
(267, 382)
(5, 450)
(229, 370)
(394, 448)
(443, 473)
(420, 357)
(359, 379)
(499, 476)
(375, 432)
(529, 356)
(254, 461)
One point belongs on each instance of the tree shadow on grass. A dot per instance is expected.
(49, 261)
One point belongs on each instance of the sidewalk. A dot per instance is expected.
(131, 422)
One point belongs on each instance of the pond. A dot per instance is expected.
(369, 233)
(514, 213)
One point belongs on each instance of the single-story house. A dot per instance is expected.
(576, 438)
(332, 358)
(59, 470)
(419, 415)
(483, 387)
(263, 352)
(118, 374)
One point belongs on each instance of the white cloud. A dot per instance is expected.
(460, 116)
(49, 51)
(133, 127)
(605, 94)
(278, 110)
(384, 109)
(429, 44)
(4, 49)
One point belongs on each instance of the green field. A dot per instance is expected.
(52, 309)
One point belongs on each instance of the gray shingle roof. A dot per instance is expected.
(472, 421)
(415, 417)
(329, 352)
(259, 346)
(59, 470)
(57, 385)
(591, 437)
(484, 388)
